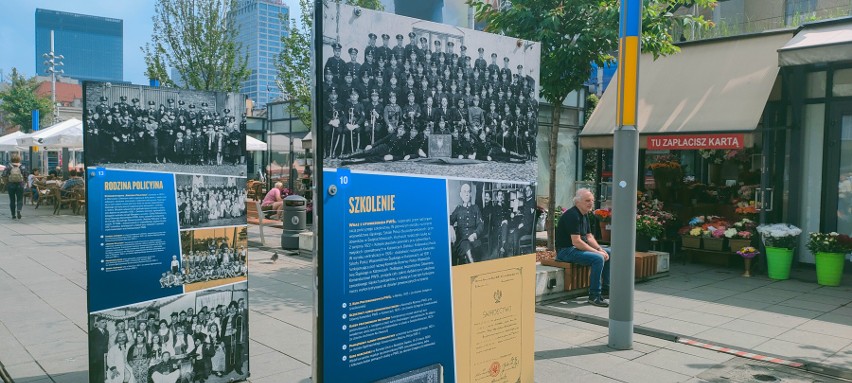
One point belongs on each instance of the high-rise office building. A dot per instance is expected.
(260, 25)
(93, 46)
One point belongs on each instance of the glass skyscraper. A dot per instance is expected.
(92, 45)
(261, 24)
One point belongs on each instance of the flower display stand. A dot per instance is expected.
(738, 243)
(714, 244)
(747, 265)
(691, 242)
(778, 262)
(829, 268)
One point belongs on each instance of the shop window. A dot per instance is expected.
(842, 84)
(815, 87)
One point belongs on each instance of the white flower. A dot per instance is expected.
(730, 233)
(778, 230)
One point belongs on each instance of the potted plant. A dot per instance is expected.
(748, 253)
(647, 227)
(604, 216)
(830, 251)
(779, 239)
(667, 174)
(714, 159)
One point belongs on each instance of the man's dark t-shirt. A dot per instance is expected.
(571, 222)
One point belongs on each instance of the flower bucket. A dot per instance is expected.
(714, 244)
(643, 243)
(691, 242)
(606, 234)
(738, 243)
(829, 268)
(778, 262)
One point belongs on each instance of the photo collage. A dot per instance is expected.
(196, 140)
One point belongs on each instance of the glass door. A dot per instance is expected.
(838, 166)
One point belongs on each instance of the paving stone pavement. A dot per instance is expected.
(43, 316)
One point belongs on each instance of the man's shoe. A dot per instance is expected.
(19, 215)
(598, 301)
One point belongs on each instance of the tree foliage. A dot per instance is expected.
(294, 63)
(198, 39)
(574, 34)
(19, 99)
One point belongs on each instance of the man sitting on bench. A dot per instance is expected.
(576, 244)
(274, 200)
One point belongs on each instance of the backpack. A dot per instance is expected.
(15, 175)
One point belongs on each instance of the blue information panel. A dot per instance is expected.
(166, 234)
(392, 306)
(133, 236)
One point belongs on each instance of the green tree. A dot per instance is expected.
(198, 39)
(294, 63)
(574, 34)
(19, 99)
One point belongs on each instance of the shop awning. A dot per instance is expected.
(819, 43)
(718, 86)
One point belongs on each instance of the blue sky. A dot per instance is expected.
(17, 30)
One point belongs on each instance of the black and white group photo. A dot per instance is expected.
(196, 337)
(430, 95)
(211, 257)
(490, 220)
(210, 201)
(171, 130)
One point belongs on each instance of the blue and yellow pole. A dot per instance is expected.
(625, 177)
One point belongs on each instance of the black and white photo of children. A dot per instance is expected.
(210, 201)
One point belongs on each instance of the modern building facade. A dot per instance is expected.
(261, 24)
(92, 45)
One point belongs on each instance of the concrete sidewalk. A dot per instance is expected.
(794, 319)
(43, 318)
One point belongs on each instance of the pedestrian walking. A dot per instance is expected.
(15, 176)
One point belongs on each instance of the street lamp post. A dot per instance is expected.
(52, 63)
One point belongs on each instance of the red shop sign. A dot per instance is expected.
(696, 141)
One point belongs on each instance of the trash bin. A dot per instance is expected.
(294, 221)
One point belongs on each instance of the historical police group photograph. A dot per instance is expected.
(212, 257)
(490, 220)
(418, 97)
(210, 201)
(160, 129)
(196, 337)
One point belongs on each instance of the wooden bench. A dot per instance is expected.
(577, 276)
(255, 216)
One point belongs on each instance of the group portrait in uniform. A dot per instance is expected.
(172, 130)
(197, 337)
(427, 96)
(490, 220)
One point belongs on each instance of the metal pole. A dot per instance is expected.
(52, 77)
(625, 175)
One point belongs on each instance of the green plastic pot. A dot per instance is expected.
(778, 262)
(829, 268)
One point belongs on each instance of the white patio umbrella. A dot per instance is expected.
(255, 145)
(9, 142)
(66, 134)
